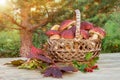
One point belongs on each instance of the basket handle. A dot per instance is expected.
(78, 20)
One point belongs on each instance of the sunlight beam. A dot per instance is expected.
(2, 2)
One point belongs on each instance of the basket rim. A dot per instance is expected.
(74, 39)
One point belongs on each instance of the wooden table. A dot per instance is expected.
(109, 70)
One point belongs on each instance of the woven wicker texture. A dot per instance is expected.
(64, 50)
(67, 50)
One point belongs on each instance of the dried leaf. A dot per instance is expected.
(36, 51)
(31, 64)
(16, 62)
(53, 71)
(68, 69)
(56, 72)
(44, 58)
(48, 72)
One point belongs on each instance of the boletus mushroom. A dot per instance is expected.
(56, 36)
(73, 29)
(52, 32)
(86, 25)
(97, 33)
(67, 34)
(84, 34)
(66, 24)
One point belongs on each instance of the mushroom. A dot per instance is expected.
(67, 34)
(73, 29)
(55, 27)
(52, 32)
(86, 25)
(56, 36)
(97, 33)
(84, 34)
(66, 24)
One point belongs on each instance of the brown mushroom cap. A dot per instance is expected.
(84, 34)
(52, 32)
(65, 24)
(99, 31)
(73, 29)
(86, 25)
(67, 34)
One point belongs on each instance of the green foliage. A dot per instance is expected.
(88, 56)
(89, 62)
(39, 38)
(112, 41)
(94, 61)
(99, 19)
(9, 43)
(80, 67)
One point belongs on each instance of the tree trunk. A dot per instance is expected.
(26, 42)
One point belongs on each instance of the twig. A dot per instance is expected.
(12, 20)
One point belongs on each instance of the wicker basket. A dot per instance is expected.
(67, 50)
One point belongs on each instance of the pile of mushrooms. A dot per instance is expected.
(67, 29)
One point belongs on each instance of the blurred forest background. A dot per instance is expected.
(103, 13)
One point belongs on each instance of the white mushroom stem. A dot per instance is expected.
(55, 36)
(94, 36)
(55, 27)
(69, 27)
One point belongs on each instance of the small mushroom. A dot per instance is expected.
(55, 27)
(97, 33)
(86, 25)
(66, 24)
(67, 34)
(52, 32)
(84, 34)
(55, 36)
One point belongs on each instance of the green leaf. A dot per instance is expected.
(94, 60)
(76, 64)
(82, 67)
(88, 56)
(79, 66)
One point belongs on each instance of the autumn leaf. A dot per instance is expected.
(57, 72)
(16, 62)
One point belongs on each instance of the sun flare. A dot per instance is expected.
(3, 2)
